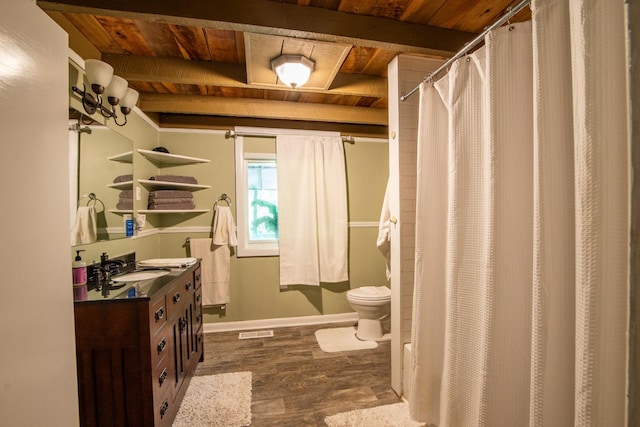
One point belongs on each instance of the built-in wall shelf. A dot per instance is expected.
(168, 159)
(121, 211)
(173, 211)
(125, 185)
(167, 185)
(161, 159)
(122, 157)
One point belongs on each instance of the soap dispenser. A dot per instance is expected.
(79, 268)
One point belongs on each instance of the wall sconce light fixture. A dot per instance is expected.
(105, 85)
(293, 70)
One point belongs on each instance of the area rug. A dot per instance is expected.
(341, 339)
(395, 415)
(222, 400)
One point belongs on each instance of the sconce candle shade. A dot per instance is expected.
(128, 101)
(98, 74)
(293, 70)
(116, 90)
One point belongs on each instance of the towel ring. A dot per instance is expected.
(93, 200)
(223, 198)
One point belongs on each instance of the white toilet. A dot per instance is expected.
(372, 305)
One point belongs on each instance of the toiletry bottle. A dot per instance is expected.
(128, 225)
(79, 268)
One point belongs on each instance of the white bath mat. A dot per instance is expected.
(222, 400)
(395, 415)
(341, 339)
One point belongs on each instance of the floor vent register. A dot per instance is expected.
(255, 334)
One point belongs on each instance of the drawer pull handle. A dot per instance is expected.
(197, 278)
(188, 286)
(163, 409)
(163, 376)
(176, 297)
(159, 313)
(198, 318)
(162, 345)
(198, 298)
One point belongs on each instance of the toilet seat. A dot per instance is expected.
(370, 294)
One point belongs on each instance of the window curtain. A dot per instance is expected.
(312, 210)
(520, 302)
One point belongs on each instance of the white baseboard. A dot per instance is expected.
(280, 323)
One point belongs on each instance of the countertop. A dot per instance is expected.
(144, 289)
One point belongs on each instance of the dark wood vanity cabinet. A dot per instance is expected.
(136, 356)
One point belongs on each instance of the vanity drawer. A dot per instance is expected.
(174, 297)
(165, 410)
(158, 314)
(179, 295)
(189, 285)
(197, 312)
(164, 379)
(160, 345)
(197, 277)
(199, 343)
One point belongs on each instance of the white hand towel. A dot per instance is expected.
(85, 229)
(384, 231)
(215, 269)
(224, 228)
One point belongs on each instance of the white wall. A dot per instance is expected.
(37, 356)
(634, 102)
(404, 74)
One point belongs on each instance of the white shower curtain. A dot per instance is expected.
(522, 229)
(312, 210)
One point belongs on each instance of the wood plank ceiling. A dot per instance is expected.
(190, 61)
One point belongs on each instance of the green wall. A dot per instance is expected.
(255, 290)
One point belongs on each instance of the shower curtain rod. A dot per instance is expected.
(232, 134)
(467, 47)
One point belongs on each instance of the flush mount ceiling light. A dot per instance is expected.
(293, 70)
(104, 84)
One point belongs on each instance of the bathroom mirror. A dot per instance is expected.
(101, 173)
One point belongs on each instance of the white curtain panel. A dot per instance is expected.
(532, 262)
(312, 210)
(427, 333)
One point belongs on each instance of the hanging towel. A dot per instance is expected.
(224, 228)
(384, 231)
(85, 229)
(215, 268)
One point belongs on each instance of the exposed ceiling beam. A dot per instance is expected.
(193, 121)
(176, 70)
(279, 18)
(259, 108)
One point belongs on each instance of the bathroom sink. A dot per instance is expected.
(137, 276)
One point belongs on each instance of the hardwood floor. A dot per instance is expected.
(295, 383)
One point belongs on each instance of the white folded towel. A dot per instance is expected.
(384, 231)
(168, 262)
(215, 269)
(85, 229)
(224, 228)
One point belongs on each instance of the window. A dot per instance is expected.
(262, 198)
(257, 194)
